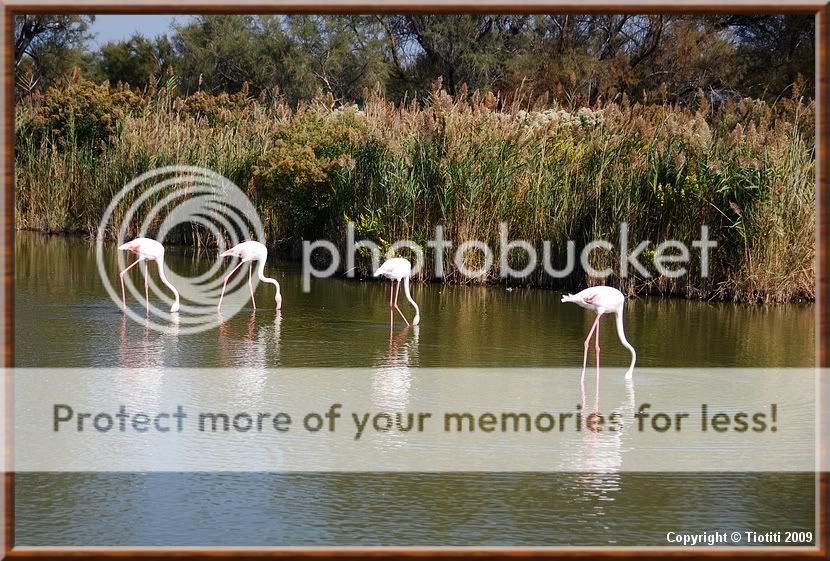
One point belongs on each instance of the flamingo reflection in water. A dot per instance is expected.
(144, 361)
(259, 348)
(597, 454)
(149, 351)
(392, 380)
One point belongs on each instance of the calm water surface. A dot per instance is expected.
(63, 317)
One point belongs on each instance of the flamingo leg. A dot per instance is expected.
(251, 286)
(121, 276)
(146, 288)
(587, 344)
(391, 308)
(398, 293)
(225, 284)
(596, 345)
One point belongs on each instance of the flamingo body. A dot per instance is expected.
(603, 300)
(395, 269)
(147, 250)
(247, 251)
(600, 299)
(398, 271)
(251, 252)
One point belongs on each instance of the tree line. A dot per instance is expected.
(574, 59)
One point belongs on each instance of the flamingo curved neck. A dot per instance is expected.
(163, 277)
(626, 344)
(261, 274)
(411, 301)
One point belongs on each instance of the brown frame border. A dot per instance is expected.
(822, 13)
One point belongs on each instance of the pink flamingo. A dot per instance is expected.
(249, 252)
(603, 299)
(147, 250)
(398, 269)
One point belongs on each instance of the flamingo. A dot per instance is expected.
(603, 299)
(398, 269)
(249, 252)
(147, 250)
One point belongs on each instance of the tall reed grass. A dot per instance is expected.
(745, 169)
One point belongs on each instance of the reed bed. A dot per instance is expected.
(552, 173)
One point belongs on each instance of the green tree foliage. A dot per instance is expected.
(775, 51)
(341, 56)
(47, 47)
(299, 55)
(573, 59)
(221, 53)
(134, 61)
(474, 50)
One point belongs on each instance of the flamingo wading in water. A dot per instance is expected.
(398, 270)
(249, 252)
(147, 250)
(603, 300)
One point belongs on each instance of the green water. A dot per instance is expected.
(64, 317)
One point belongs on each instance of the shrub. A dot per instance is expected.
(295, 174)
(82, 112)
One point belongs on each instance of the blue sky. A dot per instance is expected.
(113, 28)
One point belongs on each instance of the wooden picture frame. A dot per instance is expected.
(13, 7)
